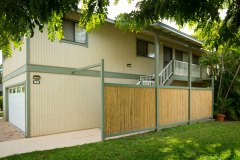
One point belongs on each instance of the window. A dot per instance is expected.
(10, 90)
(18, 89)
(179, 55)
(73, 33)
(195, 59)
(23, 89)
(145, 49)
(14, 90)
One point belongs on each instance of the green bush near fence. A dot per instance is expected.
(1, 103)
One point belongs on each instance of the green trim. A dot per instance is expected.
(15, 73)
(76, 43)
(129, 85)
(63, 70)
(102, 101)
(212, 96)
(27, 50)
(201, 119)
(201, 88)
(87, 67)
(156, 43)
(6, 98)
(173, 124)
(190, 82)
(27, 104)
(130, 132)
(174, 87)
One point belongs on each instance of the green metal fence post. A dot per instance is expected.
(102, 101)
(189, 80)
(156, 43)
(212, 96)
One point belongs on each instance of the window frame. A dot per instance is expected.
(137, 55)
(74, 42)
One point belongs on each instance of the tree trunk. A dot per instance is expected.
(220, 81)
(232, 83)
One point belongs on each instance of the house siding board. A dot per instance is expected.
(108, 43)
(17, 60)
(12, 81)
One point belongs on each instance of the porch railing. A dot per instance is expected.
(173, 67)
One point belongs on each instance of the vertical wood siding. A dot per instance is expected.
(62, 103)
(15, 80)
(128, 109)
(17, 60)
(201, 104)
(173, 105)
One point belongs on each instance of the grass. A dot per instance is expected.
(207, 140)
(1, 114)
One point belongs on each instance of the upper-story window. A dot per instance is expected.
(73, 33)
(145, 49)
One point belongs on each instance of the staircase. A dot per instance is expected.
(173, 67)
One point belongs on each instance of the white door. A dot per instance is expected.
(16, 104)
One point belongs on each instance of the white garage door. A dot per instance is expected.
(16, 104)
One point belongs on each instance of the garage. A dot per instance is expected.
(16, 102)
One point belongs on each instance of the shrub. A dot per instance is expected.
(1, 103)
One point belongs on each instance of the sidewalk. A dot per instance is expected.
(49, 142)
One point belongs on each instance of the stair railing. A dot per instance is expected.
(166, 73)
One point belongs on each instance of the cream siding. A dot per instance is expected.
(17, 60)
(18, 79)
(62, 103)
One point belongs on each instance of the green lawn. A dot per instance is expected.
(207, 140)
(1, 114)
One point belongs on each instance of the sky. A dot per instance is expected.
(124, 7)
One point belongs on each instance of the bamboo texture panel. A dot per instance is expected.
(173, 105)
(128, 109)
(201, 104)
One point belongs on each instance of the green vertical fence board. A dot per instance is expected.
(102, 101)
(156, 42)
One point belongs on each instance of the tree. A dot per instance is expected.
(20, 17)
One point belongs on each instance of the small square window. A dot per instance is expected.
(145, 49)
(73, 33)
(18, 89)
(23, 89)
(14, 90)
(10, 90)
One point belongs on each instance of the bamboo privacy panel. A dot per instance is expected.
(201, 104)
(173, 105)
(129, 108)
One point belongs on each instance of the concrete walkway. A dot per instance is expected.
(49, 142)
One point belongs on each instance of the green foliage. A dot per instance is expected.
(20, 18)
(1, 103)
(211, 140)
(223, 63)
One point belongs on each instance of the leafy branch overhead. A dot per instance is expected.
(20, 17)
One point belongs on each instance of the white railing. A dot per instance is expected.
(147, 80)
(181, 68)
(166, 73)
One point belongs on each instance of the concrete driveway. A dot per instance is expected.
(8, 132)
(49, 142)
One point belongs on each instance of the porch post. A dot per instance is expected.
(102, 101)
(212, 96)
(156, 43)
(189, 80)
